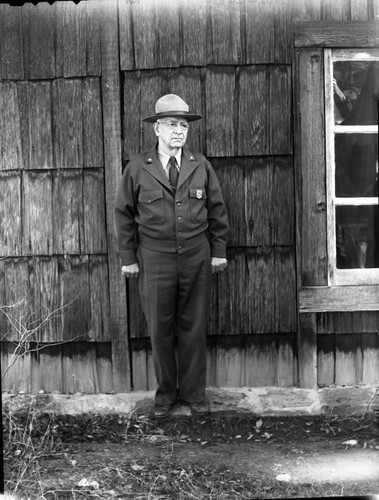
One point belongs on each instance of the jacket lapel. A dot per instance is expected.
(154, 167)
(188, 165)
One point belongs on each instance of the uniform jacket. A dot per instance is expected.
(150, 213)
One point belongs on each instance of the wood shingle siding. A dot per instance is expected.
(75, 83)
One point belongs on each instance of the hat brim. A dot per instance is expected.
(182, 114)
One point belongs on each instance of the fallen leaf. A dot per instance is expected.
(350, 442)
(84, 483)
(137, 467)
(283, 477)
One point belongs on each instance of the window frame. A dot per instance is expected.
(336, 276)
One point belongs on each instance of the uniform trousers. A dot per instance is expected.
(175, 295)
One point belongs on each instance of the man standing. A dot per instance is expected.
(172, 229)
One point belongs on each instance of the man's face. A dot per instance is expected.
(171, 132)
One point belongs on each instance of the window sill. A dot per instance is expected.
(339, 298)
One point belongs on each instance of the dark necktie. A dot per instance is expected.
(173, 172)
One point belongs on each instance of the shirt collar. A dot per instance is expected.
(164, 157)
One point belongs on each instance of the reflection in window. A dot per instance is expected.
(357, 237)
(355, 96)
(356, 92)
(356, 161)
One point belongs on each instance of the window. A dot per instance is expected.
(351, 94)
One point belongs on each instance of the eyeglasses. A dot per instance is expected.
(173, 124)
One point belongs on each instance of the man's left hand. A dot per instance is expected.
(218, 264)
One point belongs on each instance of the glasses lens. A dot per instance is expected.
(174, 124)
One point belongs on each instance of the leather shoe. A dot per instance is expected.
(200, 408)
(161, 410)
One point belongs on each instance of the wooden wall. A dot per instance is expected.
(75, 81)
(53, 237)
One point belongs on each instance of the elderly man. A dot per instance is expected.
(172, 229)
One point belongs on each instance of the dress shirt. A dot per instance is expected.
(165, 158)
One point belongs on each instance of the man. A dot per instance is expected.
(172, 228)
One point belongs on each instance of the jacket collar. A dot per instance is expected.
(154, 166)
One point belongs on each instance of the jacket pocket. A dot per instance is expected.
(151, 207)
(198, 207)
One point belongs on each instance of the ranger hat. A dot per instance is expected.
(171, 105)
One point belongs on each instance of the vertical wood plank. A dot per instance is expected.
(283, 33)
(261, 289)
(94, 233)
(370, 353)
(348, 359)
(253, 112)
(186, 82)
(260, 30)
(47, 363)
(325, 359)
(231, 175)
(40, 123)
(259, 201)
(12, 57)
(47, 313)
(286, 369)
(99, 297)
(10, 214)
(15, 374)
(36, 124)
(232, 293)
(39, 40)
(67, 211)
(132, 125)
(92, 124)
(167, 26)
(359, 10)
(93, 39)
(127, 61)
(67, 123)
(153, 86)
(84, 367)
(10, 129)
(305, 11)
(140, 373)
(37, 219)
(335, 10)
(71, 38)
(224, 32)
(220, 88)
(307, 351)
(285, 290)
(283, 202)
(261, 360)
(104, 366)
(280, 110)
(74, 296)
(311, 168)
(112, 158)
(193, 18)
(17, 299)
(231, 368)
(145, 34)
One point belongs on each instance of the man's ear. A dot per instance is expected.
(156, 128)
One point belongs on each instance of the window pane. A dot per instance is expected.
(356, 92)
(356, 159)
(357, 237)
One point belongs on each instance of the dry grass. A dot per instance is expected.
(105, 457)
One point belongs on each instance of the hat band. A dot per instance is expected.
(173, 113)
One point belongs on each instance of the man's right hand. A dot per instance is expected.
(131, 271)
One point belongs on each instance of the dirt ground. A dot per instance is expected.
(188, 458)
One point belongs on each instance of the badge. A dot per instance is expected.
(199, 194)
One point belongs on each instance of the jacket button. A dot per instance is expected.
(178, 203)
